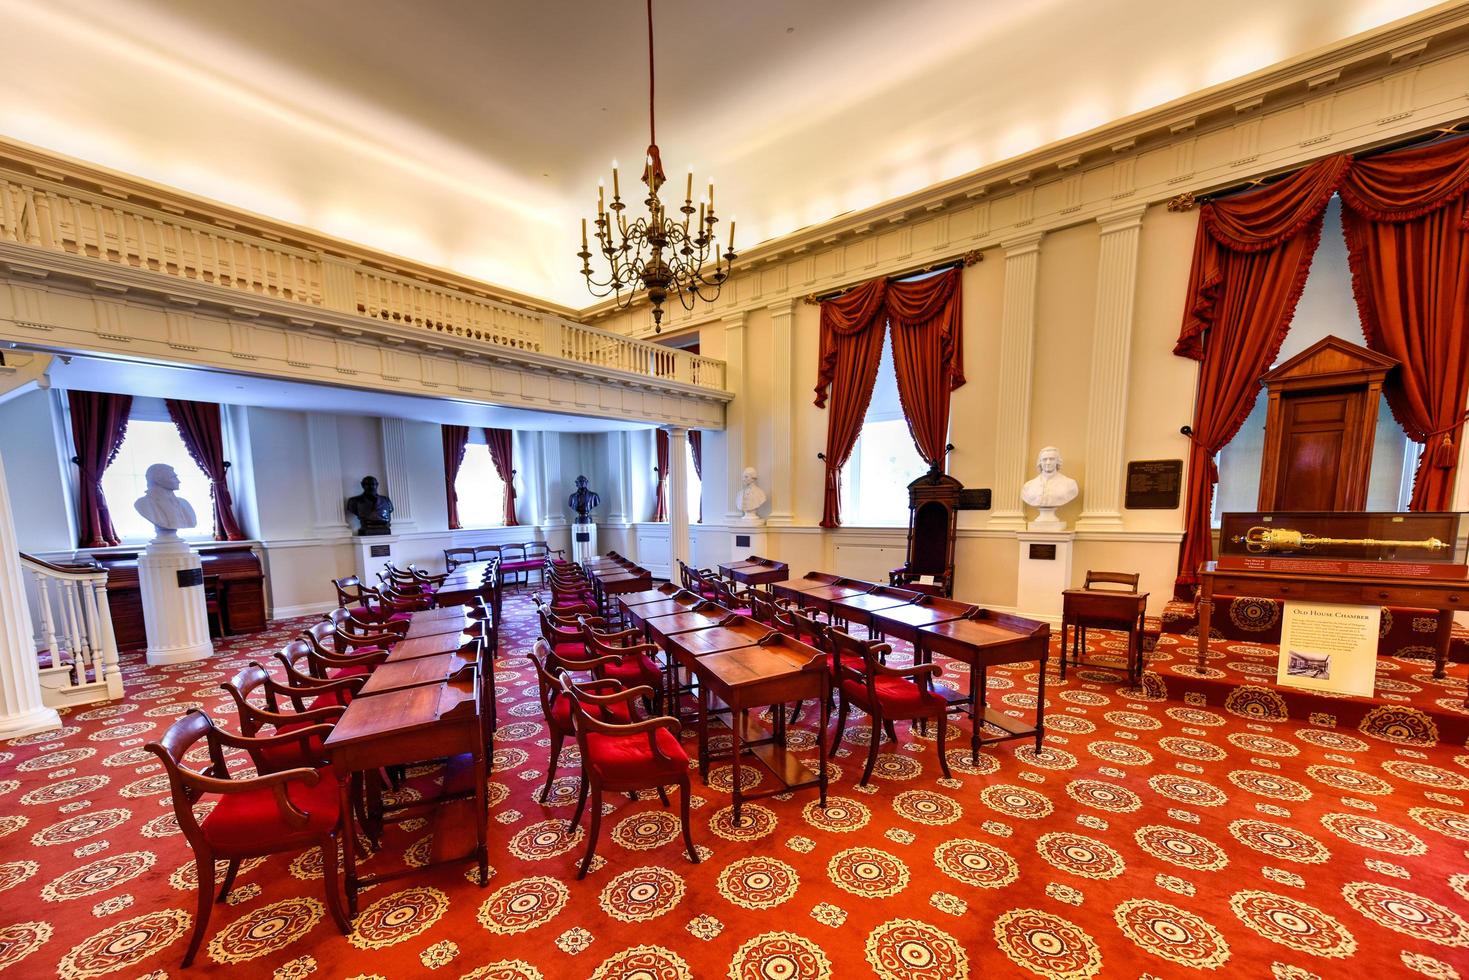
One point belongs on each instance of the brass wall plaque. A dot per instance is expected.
(1154, 484)
(1042, 552)
(978, 499)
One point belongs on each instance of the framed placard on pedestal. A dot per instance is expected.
(1328, 647)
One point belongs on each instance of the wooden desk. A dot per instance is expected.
(859, 608)
(427, 646)
(608, 585)
(665, 591)
(905, 621)
(1104, 609)
(704, 616)
(733, 633)
(1443, 594)
(434, 669)
(986, 639)
(458, 622)
(821, 597)
(756, 571)
(639, 613)
(401, 728)
(778, 671)
(462, 592)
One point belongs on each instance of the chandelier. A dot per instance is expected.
(662, 254)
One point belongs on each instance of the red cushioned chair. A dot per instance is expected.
(698, 580)
(339, 655)
(283, 811)
(557, 709)
(306, 669)
(736, 601)
(887, 694)
(255, 679)
(624, 756)
(454, 557)
(359, 635)
(367, 603)
(634, 664)
(564, 641)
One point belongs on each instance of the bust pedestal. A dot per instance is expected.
(372, 553)
(171, 580)
(1045, 572)
(583, 542)
(746, 538)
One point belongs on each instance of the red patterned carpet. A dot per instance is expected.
(1152, 838)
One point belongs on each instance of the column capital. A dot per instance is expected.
(736, 320)
(1122, 219)
(785, 307)
(1022, 245)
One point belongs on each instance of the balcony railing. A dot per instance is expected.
(78, 648)
(78, 222)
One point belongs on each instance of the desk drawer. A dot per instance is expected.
(1303, 591)
(1406, 595)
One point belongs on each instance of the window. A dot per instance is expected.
(150, 440)
(884, 460)
(696, 486)
(480, 489)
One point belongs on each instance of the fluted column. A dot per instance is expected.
(735, 413)
(21, 710)
(678, 497)
(553, 503)
(397, 482)
(1017, 347)
(1107, 397)
(778, 416)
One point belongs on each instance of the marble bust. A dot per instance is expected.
(1048, 490)
(750, 498)
(161, 506)
(374, 511)
(583, 500)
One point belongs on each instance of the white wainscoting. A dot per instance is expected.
(654, 548)
(871, 561)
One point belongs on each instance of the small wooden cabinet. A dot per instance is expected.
(1319, 427)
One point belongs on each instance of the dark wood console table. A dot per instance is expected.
(232, 573)
(1447, 595)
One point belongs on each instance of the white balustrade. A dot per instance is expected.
(77, 640)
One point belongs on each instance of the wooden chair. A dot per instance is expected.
(365, 631)
(557, 709)
(290, 810)
(486, 552)
(253, 720)
(697, 580)
(304, 664)
(887, 694)
(454, 557)
(341, 655)
(513, 562)
(624, 756)
(635, 664)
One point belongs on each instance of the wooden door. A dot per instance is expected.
(1315, 433)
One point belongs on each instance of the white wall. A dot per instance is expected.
(40, 493)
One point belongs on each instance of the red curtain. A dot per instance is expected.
(99, 422)
(927, 320)
(696, 450)
(660, 489)
(201, 430)
(456, 437)
(1251, 257)
(1406, 216)
(502, 455)
(850, 352)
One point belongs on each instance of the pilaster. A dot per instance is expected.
(778, 417)
(736, 414)
(397, 481)
(1017, 349)
(324, 466)
(553, 507)
(618, 461)
(678, 497)
(21, 710)
(1107, 395)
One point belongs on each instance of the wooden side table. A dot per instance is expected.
(1083, 609)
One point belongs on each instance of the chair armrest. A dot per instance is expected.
(591, 663)
(618, 697)
(368, 639)
(608, 639)
(915, 672)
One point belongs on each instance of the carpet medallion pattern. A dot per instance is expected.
(1154, 835)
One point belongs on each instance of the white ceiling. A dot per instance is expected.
(470, 134)
(197, 384)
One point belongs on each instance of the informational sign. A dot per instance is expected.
(1153, 484)
(1326, 647)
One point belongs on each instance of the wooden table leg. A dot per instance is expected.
(1441, 643)
(1040, 708)
(704, 734)
(1064, 626)
(345, 785)
(737, 721)
(976, 714)
(1206, 615)
(825, 698)
(481, 819)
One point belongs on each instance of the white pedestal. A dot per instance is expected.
(748, 538)
(372, 553)
(1045, 572)
(173, 614)
(583, 542)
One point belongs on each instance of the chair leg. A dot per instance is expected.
(204, 871)
(887, 726)
(333, 889)
(592, 835)
(688, 838)
(872, 749)
(795, 712)
(581, 802)
(229, 880)
(663, 795)
(841, 726)
(556, 739)
(943, 740)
